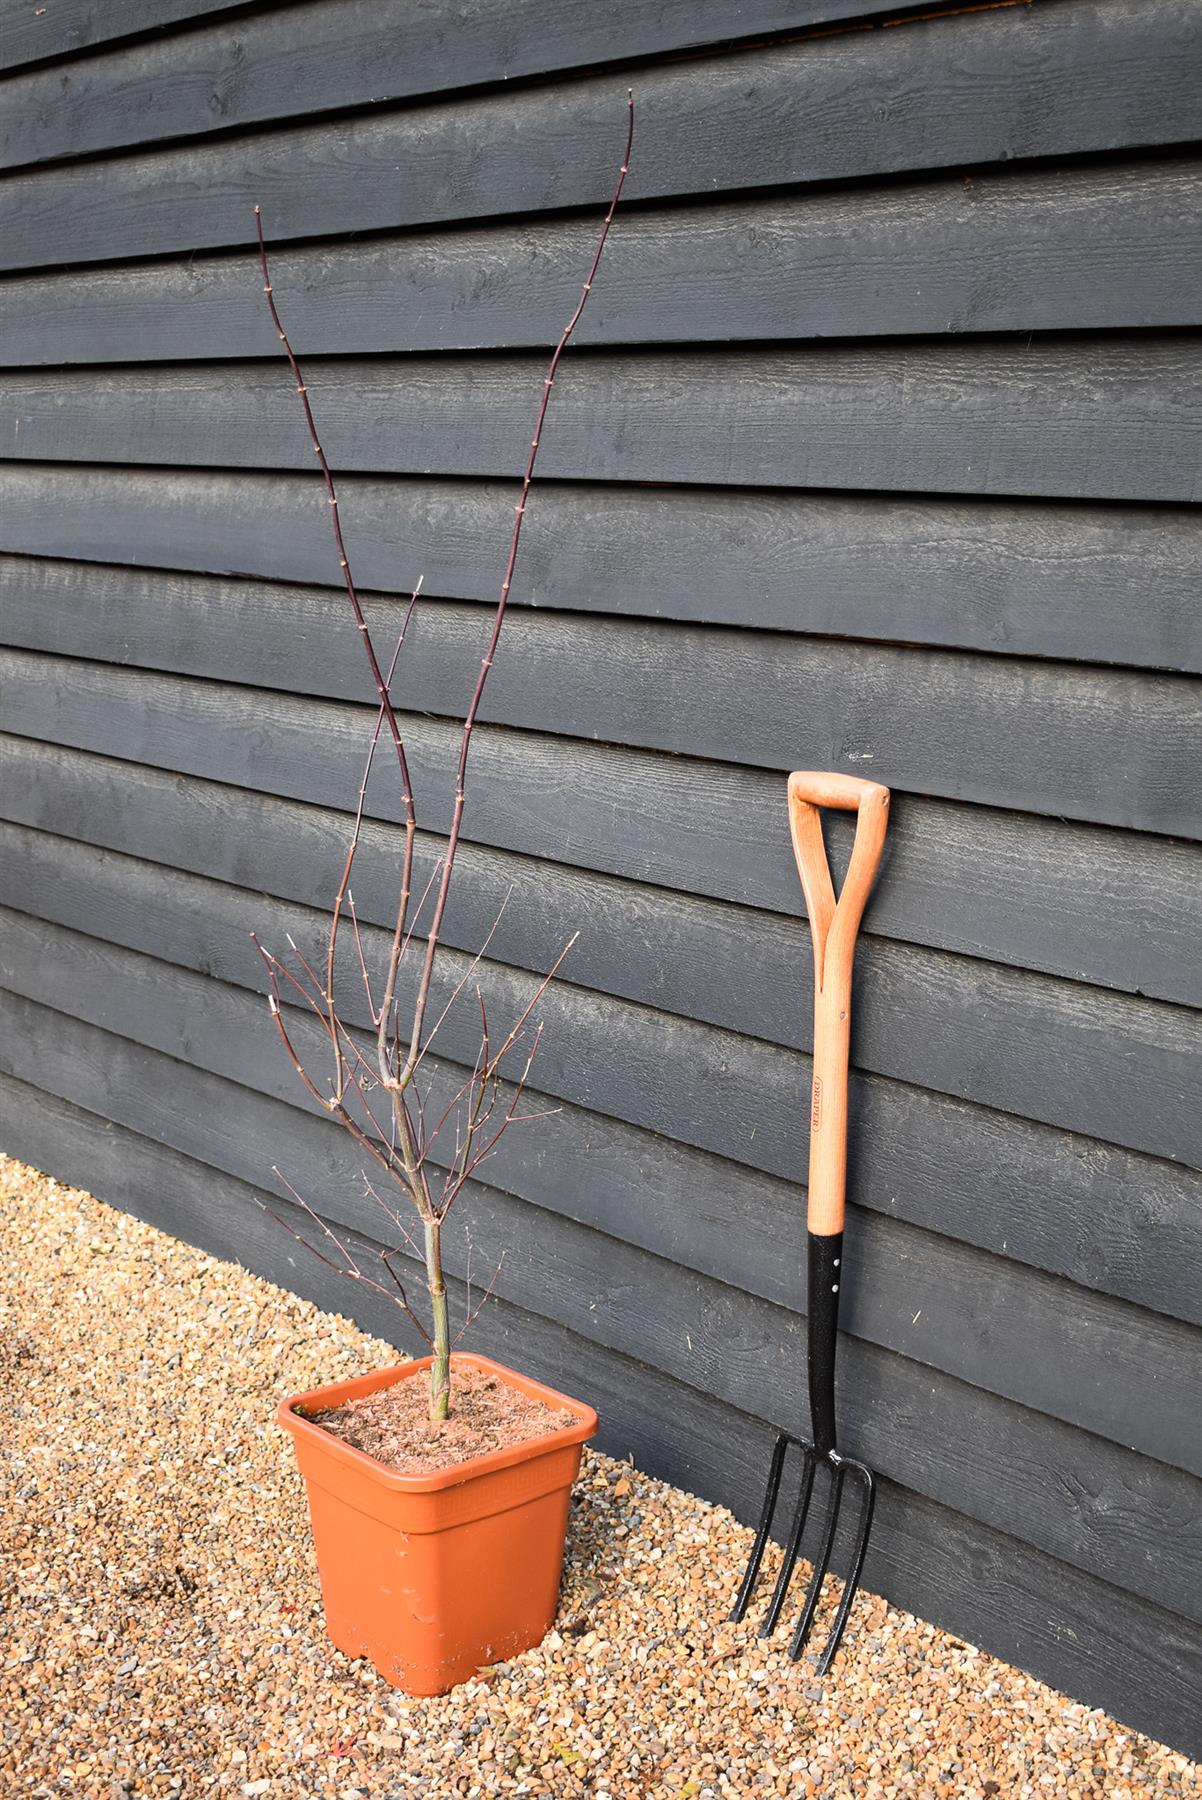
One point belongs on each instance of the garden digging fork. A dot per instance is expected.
(833, 928)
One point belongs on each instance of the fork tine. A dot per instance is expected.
(751, 1574)
(842, 1468)
(821, 1563)
(851, 1584)
(793, 1546)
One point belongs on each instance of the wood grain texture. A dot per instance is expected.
(1141, 1662)
(917, 1156)
(834, 925)
(672, 950)
(955, 875)
(706, 1333)
(879, 447)
(1082, 583)
(977, 87)
(982, 1016)
(31, 34)
(1107, 247)
(1111, 418)
(1045, 1345)
(302, 61)
(1112, 747)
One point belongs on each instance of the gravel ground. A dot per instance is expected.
(164, 1631)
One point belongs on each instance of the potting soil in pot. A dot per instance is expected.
(394, 1426)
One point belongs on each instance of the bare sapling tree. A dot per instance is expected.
(378, 1085)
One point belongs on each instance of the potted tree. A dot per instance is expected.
(438, 1488)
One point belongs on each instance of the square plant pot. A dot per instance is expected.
(434, 1576)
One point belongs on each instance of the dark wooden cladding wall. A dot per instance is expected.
(880, 450)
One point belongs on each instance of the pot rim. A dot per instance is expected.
(290, 1415)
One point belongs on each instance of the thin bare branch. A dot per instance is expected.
(356, 833)
(386, 1258)
(519, 513)
(382, 686)
(390, 1214)
(364, 976)
(537, 995)
(473, 1312)
(487, 1103)
(343, 1075)
(336, 522)
(328, 1102)
(347, 1267)
(459, 986)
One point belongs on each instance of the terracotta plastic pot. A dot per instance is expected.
(434, 1576)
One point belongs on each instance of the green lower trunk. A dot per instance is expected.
(440, 1368)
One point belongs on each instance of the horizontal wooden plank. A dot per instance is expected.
(1105, 247)
(917, 1156)
(1127, 1071)
(655, 1068)
(1110, 418)
(1086, 584)
(672, 951)
(1087, 1636)
(977, 87)
(34, 33)
(746, 1353)
(1013, 889)
(1047, 1345)
(289, 62)
(1113, 747)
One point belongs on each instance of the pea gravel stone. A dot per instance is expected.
(162, 1630)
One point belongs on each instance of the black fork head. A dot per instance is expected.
(843, 1471)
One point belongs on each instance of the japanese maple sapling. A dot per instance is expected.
(379, 1093)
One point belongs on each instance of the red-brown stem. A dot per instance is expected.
(477, 959)
(404, 1153)
(344, 884)
(332, 499)
(343, 1041)
(362, 959)
(533, 1001)
(488, 1070)
(349, 1267)
(469, 1168)
(459, 1094)
(327, 1102)
(499, 615)
(472, 1313)
(394, 1218)
(382, 686)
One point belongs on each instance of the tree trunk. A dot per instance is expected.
(440, 1368)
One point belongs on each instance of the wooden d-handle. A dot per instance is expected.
(834, 925)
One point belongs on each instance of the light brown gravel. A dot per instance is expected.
(394, 1424)
(163, 1632)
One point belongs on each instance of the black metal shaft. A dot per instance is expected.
(825, 1280)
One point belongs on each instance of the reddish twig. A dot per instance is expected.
(486, 1104)
(382, 686)
(348, 1267)
(503, 602)
(472, 1313)
(352, 848)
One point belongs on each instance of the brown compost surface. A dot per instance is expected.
(162, 1629)
(487, 1414)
